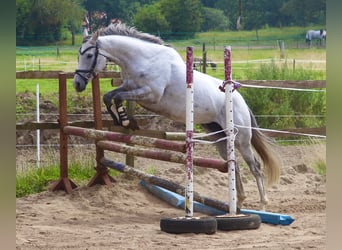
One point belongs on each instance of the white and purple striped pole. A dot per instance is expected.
(229, 88)
(189, 127)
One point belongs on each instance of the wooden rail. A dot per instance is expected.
(32, 125)
(55, 74)
(116, 77)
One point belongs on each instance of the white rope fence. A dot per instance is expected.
(237, 85)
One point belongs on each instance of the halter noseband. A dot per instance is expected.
(91, 70)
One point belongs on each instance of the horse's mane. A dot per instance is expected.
(122, 29)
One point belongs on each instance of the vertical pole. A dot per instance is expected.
(189, 126)
(97, 113)
(204, 59)
(38, 130)
(230, 126)
(130, 106)
(64, 183)
(63, 121)
(101, 176)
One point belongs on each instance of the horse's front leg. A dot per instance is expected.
(112, 106)
(114, 99)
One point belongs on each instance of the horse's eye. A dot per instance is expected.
(89, 56)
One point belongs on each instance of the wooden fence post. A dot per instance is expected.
(64, 183)
(101, 176)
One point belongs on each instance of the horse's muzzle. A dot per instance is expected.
(79, 83)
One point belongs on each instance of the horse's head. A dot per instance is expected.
(90, 62)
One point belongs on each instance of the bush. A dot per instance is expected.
(286, 108)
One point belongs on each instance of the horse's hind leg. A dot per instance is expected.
(239, 187)
(254, 166)
(222, 149)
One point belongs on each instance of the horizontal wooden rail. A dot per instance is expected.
(130, 139)
(116, 75)
(178, 136)
(55, 74)
(305, 84)
(162, 155)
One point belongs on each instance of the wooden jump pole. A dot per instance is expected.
(162, 155)
(124, 138)
(63, 183)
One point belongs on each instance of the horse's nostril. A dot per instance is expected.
(77, 85)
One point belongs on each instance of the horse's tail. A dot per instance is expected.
(265, 148)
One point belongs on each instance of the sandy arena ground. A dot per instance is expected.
(126, 216)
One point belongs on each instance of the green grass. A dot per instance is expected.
(320, 167)
(151, 170)
(48, 89)
(34, 180)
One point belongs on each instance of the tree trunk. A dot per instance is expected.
(73, 37)
(257, 34)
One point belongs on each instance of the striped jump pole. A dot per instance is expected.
(232, 220)
(189, 127)
(230, 127)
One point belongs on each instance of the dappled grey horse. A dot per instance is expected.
(154, 76)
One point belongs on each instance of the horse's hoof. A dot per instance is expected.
(131, 124)
(223, 170)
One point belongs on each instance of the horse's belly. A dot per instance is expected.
(175, 109)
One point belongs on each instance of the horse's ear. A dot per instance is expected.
(86, 39)
(95, 37)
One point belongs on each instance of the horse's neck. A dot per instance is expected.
(125, 51)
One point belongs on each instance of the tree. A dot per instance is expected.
(23, 9)
(184, 16)
(43, 20)
(305, 12)
(254, 14)
(230, 9)
(214, 19)
(121, 9)
(74, 17)
(149, 19)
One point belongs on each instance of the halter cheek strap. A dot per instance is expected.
(92, 69)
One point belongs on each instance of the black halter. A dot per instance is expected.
(91, 70)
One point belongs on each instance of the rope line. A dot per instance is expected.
(241, 126)
(237, 85)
